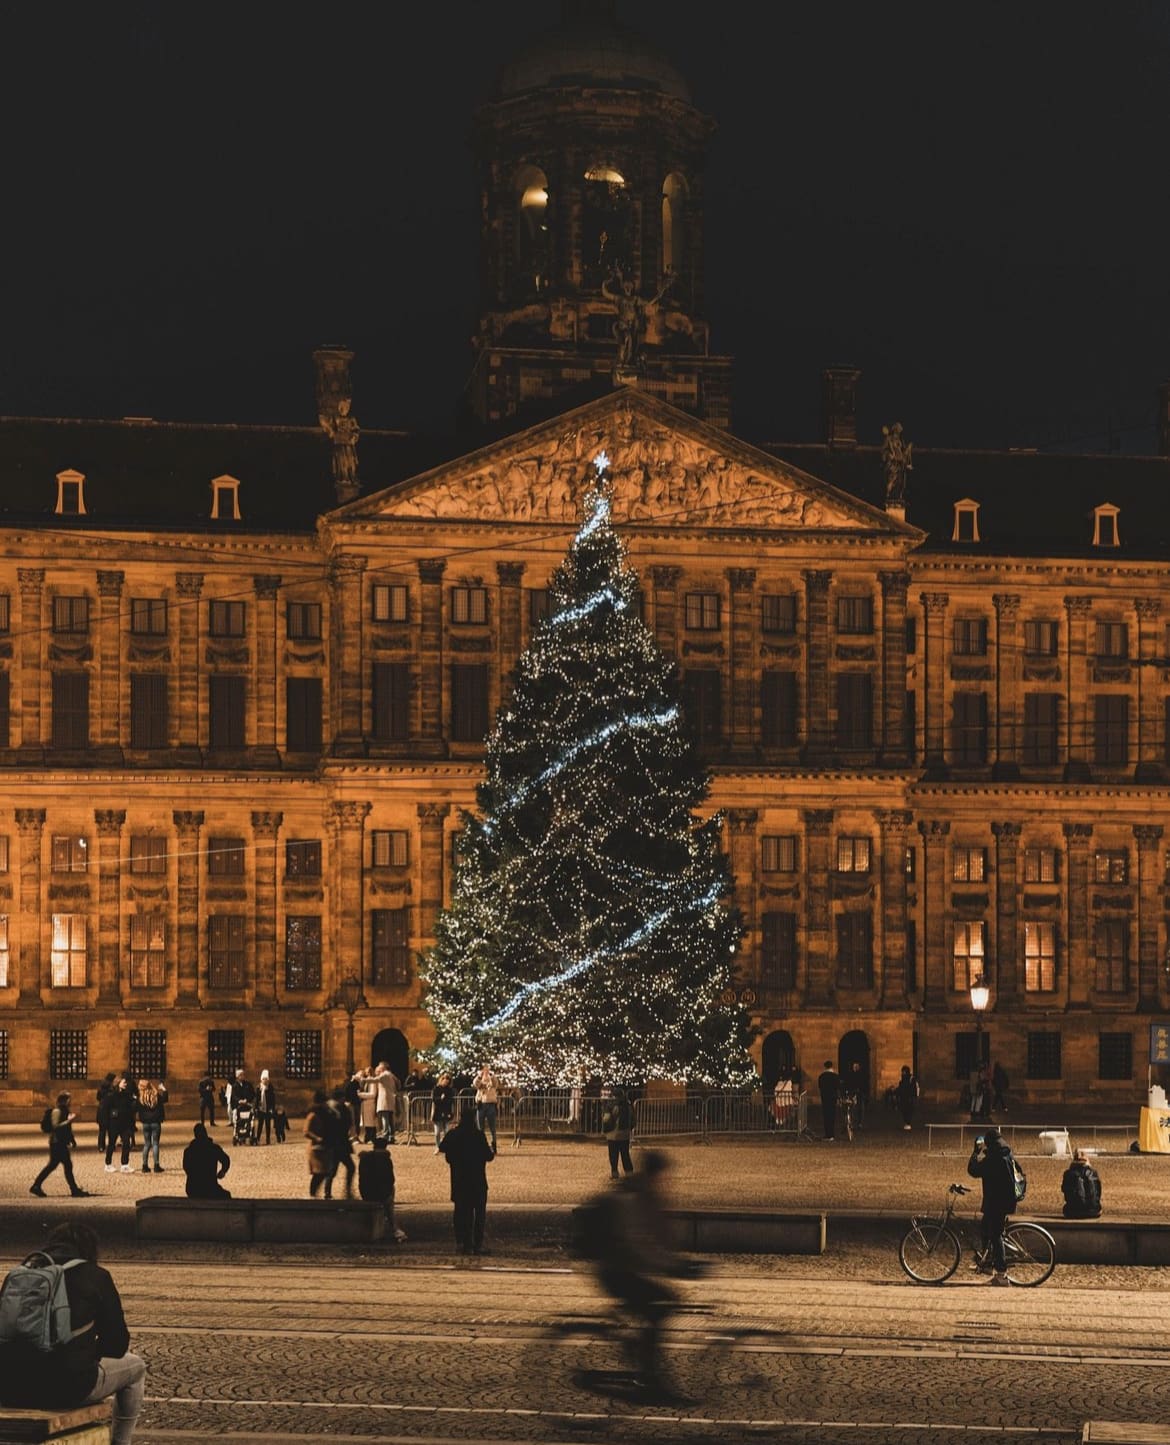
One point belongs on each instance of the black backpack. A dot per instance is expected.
(47, 1121)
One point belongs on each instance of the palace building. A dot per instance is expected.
(246, 673)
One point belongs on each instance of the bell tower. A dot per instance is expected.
(591, 163)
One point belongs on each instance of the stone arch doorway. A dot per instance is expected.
(389, 1046)
(779, 1053)
(854, 1049)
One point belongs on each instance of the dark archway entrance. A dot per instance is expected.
(390, 1047)
(854, 1049)
(779, 1053)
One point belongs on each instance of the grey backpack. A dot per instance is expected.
(34, 1306)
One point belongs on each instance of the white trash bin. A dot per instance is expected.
(1055, 1142)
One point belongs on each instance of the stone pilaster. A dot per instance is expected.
(894, 824)
(189, 874)
(742, 581)
(1150, 756)
(666, 629)
(1078, 719)
(430, 573)
(1080, 964)
(818, 823)
(30, 825)
(347, 616)
(1148, 837)
(934, 609)
(1006, 972)
(265, 852)
(509, 622)
(346, 823)
(109, 822)
(432, 861)
(189, 587)
(264, 753)
(32, 653)
(1007, 687)
(109, 655)
(816, 681)
(893, 699)
(933, 891)
(744, 853)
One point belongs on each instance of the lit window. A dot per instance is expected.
(391, 848)
(1039, 957)
(1111, 951)
(852, 855)
(969, 953)
(5, 611)
(70, 854)
(3, 852)
(1111, 865)
(67, 963)
(148, 950)
(5, 974)
(970, 865)
(391, 602)
(302, 1054)
(1040, 865)
(778, 854)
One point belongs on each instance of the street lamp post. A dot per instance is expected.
(351, 997)
(980, 996)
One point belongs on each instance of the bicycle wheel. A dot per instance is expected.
(1030, 1252)
(929, 1252)
(847, 1119)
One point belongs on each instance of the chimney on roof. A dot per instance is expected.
(840, 405)
(334, 400)
(1164, 419)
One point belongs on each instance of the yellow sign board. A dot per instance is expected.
(1154, 1131)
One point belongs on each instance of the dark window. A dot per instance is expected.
(1112, 639)
(1111, 730)
(778, 709)
(71, 709)
(1165, 727)
(225, 619)
(148, 950)
(854, 615)
(968, 953)
(1039, 957)
(1041, 728)
(68, 1054)
(148, 710)
(391, 604)
(148, 616)
(778, 853)
(966, 527)
(303, 621)
(469, 604)
(302, 951)
(390, 954)
(302, 858)
(703, 701)
(1041, 638)
(225, 1052)
(226, 964)
(225, 857)
(469, 702)
(302, 1054)
(1111, 951)
(969, 865)
(1041, 865)
(71, 614)
(391, 701)
(1115, 1056)
(971, 1049)
(911, 954)
(148, 853)
(1044, 1055)
(969, 730)
(3, 1053)
(1111, 865)
(5, 708)
(911, 636)
(702, 611)
(302, 700)
(226, 697)
(70, 854)
(148, 1053)
(778, 612)
(970, 637)
(854, 950)
(68, 959)
(391, 848)
(911, 723)
(854, 710)
(853, 855)
(778, 950)
(539, 605)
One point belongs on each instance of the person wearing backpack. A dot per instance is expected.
(90, 1360)
(58, 1124)
(992, 1162)
(1081, 1187)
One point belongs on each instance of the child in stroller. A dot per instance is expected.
(244, 1130)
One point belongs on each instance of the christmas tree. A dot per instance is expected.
(588, 925)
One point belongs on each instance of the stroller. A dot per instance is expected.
(243, 1131)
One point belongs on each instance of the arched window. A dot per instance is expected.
(674, 205)
(605, 223)
(532, 248)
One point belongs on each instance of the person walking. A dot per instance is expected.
(376, 1184)
(207, 1100)
(487, 1093)
(617, 1123)
(829, 1084)
(205, 1164)
(103, 1090)
(999, 1087)
(442, 1107)
(151, 1107)
(991, 1162)
(1081, 1187)
(468, 1154)
(120, 1110)
(340, 1143)
(981, 1096)
(906, 1093)
(265, 1107)
(61, 1144)
(318, 1131)
(241, 1090)
(386, 1103)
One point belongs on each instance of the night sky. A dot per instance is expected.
(970, 203)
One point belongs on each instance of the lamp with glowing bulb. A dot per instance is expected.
(980, 997)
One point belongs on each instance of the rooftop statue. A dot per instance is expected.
(896, 454)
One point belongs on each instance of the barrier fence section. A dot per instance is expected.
(755, 1113)
(1024, 1139)
(417, 1122)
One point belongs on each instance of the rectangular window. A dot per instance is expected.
(854, 950)
(71, 614)
(302, 858)
(148, 710)
(226, 704)
(148, 950)
(303, 707)
(1111, 865)
(539, 605)
(1111, 730)
(390, 953)
(970, 637)
(910, 736)
(3, 852)
(853, 855)
(1040, 865)
(778, 612)
(910, 864)
(1039, 957)
(778, 709)
(5, 612)
(854, 710)
(1041, 728)
(225, 1052)
(391, 701)
(5, 708)
(854, 615)
(226, 963)
(702, 611)
(148, 616)
(778, 950)
(68, 960)
(971, 1050)
(469, 605)
(469, 702)
(225, 857)
(1044, 1055)
(969, 953)
(1112, 640)
(911, 955)
(302, 1054)
(969, 865)
(969, 729)
(391, 847)
(1041, 638)
(5, 958)
(225, 619)
(148, 1053)
(391, 603)
(68, 1054)
(703, 701)
(303, 621)
(1115, 1056)
(1111, 951)
(71, 709)
(69, 853)
(148, 853)
(3, 1053)
(911, 636)
(302, 951)
(778, 853)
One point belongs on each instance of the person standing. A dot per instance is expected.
(103, 1090)
(783, 1101)
(1081, 1187)
(617, 1123)
(119, 1123)
(265, 1107)
(376, 1184)
(340, 1143)
(151, 1109)
(442, 1107)
(487, 1093)
(829, 1084)
(241, 1090)
(205, 1164)
(991, 1162)
(318, 1131)
(61, 1143)
(386, 1104)
(906, 1093)
(468, 1154)
(981, 1095)
(207, 1100)
(999, 1088)
(857, 1084)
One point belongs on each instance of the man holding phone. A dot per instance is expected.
(991, 1162)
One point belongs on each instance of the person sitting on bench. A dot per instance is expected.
(205, 1164)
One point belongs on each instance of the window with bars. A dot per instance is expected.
(70, 698)
(302, 858)
(778, 950)
(226, 619)
(303, 621)
(778, 853)
(971, 1050)
(1039, 957)
(1114, 1056)
(778, 612)
(1112, 640)
(302, 1054)
(854, 950)
(854, 710)
(1041, 637)
(469, 702)
(225, 1052)
(227, 710)
(1044, 1054)
(302, 951)
(5, 958)
(225, 857)
(3, 852)
(1111, 730)
(779, 720)
(149, 710)
(1041, 728)
(69, 853)
(391, 701)
(148, 853)
(703, 702)
(910, 863)
(5, 708)
(302, 714)
(853, 854)
(148, 1053)
(968, 865)
(391, 847)
(854, 615)
(1111, 952)
(969, 728)
(68, 1054)
(391, 602)
(5, 612)
(148, 950)
(3, 1053)
(1111, 865)
(968, 953)
(469, 605)
(226, 957)
(390, 951)
(71, 614)
(539, 605)
(1041, 865)
(148, 616)
(702, 611)
(969, 638)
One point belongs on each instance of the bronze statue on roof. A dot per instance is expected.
(896, 459)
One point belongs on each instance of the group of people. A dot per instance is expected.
(124, 1106)
(853, 1090)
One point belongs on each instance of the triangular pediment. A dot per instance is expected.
(669, 470)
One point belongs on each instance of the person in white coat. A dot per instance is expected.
(386, 1084)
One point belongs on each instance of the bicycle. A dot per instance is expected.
(930, 1249)
(847, 1107)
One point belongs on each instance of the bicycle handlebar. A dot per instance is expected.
(958, 1189)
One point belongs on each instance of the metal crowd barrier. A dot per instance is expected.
(662, 1118)
(755, 1113)
(1024, 1139)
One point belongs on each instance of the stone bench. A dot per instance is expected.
(1109, 1241)
(261, 1221)
(86, 1425)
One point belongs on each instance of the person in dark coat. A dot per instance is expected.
(103, 1090)
(61, 1143)
(829, 1084)
(442, 1107)
(617, 1122)
(97, 1362)
(468, 1154)
(1081, 1187)
(340, 1143)
(205, 1164)
(151, 1109)
(906, 1093)
(376, 1183)
(991, 1162)
(120, 1106)
(319, 1131)
(207, 1100)
(999, 1087)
